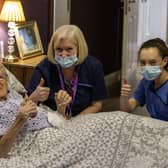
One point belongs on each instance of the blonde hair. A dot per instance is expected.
(68, 32)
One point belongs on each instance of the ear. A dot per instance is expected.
(165, 60)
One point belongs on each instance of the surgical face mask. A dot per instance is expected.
(150, 72)
(66, 62)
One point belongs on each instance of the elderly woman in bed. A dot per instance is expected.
(18, 114)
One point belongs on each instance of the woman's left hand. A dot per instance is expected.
(27, 109)
(62, 99)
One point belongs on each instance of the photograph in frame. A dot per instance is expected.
(28, 39)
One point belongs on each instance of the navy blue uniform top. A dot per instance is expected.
(156, 100)
(91, 85)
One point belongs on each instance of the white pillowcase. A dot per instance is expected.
(14, 83)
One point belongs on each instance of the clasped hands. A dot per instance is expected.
(62, 99)
(27, 108)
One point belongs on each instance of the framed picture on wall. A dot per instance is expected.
(28, 40)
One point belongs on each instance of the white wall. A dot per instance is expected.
(143, 20)
(61, 13)
(152, 20)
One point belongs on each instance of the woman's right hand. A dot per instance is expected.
(62, 99)
(126, 89)
(41, 93)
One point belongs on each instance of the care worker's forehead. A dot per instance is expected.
(150, 54)
(65, 43)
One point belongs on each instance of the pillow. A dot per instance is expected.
(14, 83)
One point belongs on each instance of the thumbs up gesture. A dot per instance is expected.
(41, 82)
(62, 99)
(126, 89)
(27, 108)
(26, 98)
(41, 93)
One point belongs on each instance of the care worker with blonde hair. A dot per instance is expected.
(69, 72)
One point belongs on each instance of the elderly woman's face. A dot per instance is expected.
(3, 86)
(66, 48)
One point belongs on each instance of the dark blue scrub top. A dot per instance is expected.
(156, 100)
(91, 85)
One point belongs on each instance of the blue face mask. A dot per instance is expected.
(150, 72)
(66, 62)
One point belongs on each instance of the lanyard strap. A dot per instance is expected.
(74, 82)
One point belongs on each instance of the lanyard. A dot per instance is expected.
(74, 82)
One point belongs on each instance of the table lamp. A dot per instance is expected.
(12, 11)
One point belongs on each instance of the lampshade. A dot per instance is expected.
(12, 10)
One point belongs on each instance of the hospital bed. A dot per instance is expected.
(112, 139)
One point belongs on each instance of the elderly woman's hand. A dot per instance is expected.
(62, 99)
(27, 109)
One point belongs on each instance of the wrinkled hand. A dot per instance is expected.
(126, 89)
(62, 99)
(27, 109)
(41, 93)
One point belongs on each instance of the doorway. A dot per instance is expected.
(142, 21)
(102, 25)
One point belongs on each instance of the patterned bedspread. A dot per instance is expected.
(103, 140)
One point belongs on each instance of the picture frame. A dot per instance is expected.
(28, 40)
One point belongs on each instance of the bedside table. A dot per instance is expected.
(23, 69)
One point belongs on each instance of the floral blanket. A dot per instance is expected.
(103, 140)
